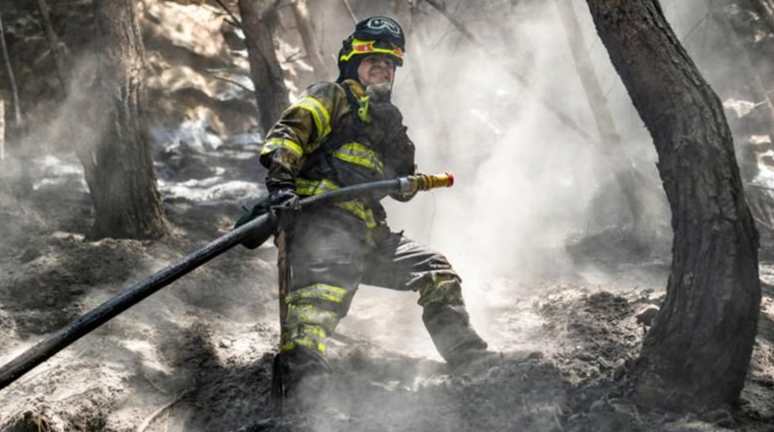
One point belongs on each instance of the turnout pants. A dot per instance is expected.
(329, 259)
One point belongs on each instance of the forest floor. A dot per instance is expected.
(197, 356)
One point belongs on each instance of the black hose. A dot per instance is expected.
(103, 313)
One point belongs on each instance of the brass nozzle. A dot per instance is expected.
(425, 182)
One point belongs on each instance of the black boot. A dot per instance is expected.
(298, 378)
(454, 337)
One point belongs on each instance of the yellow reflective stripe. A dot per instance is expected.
(360, 154)
(322, 119)
(309, 343)
(444, 288)
(318, 291)
(315, 187)
(367, 47)
(277, 143)
(358, 209)
(307, 314)
(312, 330)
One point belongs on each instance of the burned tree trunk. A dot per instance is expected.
(306, 30)
(2, 129)
(270, 91)
(53, 43)
(119, 169)
(611, 145)
(17, 116)
(698, 351)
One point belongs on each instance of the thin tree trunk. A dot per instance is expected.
(415, 61)
(306, 30)
(17, 114)
(119, 171)
(2, 129)
(270, 91)
(560, 115)
(611, 145)
(350, 11)
(53, 43)
(698, 352)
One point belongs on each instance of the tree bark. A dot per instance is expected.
(611, 145)
(306, 30)
(270, 91)
(698, 351)
(2, 129)
(119, 171)
(53, 43)
(17, 115)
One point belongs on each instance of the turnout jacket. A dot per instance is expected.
(337, 135)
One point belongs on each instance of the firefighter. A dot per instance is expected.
(341, 134)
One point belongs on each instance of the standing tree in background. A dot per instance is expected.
(306, 30)
(611, 145)
(698, 351)
(119, 169)
(270, 91)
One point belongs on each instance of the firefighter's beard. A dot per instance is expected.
(379, 92)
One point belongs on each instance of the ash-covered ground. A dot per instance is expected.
(197, 355)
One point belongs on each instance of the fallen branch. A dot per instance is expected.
(462, 28)
(771, 228)
(148, 421)
(230, 81)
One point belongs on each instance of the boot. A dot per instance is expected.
(453, 336)
(299, 377)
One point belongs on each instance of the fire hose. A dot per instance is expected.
(260, 228)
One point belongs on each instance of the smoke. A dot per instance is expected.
(526, 184)
(526, 187)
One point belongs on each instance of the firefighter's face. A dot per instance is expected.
(376, 69)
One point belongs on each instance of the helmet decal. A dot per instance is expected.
(381, 24)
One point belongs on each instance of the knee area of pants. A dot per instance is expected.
(442, 288)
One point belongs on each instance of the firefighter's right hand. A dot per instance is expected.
(283, 197)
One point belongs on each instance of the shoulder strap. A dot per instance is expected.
(339, 139)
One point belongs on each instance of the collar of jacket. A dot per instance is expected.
(356, 87)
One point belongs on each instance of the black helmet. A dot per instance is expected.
(375, 35)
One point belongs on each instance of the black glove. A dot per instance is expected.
(282, 195)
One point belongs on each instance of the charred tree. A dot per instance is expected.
(270, 91)
(2, 129)
(306, 30)
(611, 144)
(17, 115)
(53, 43)
(698, 351)
(119, 169)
